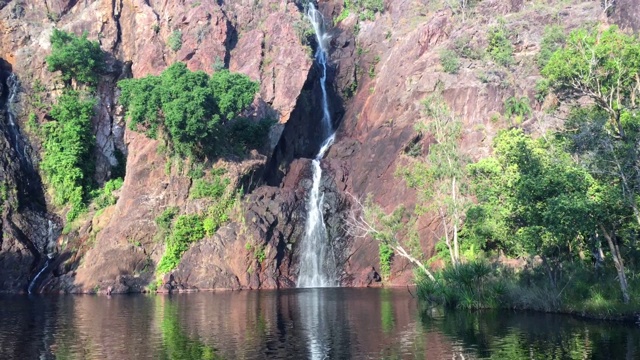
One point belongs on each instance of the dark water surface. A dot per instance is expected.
(292, 324)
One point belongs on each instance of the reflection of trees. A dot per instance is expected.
(176, 344)
(495, 335)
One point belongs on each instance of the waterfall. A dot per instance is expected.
(13, 85)
(50, 251)
(317, 260)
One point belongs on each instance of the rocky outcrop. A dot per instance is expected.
(393, 63)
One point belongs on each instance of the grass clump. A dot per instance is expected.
(450, 61)
(552, 40)
(186, 230)
(175, 40)
(500, 48)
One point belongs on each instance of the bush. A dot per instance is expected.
(75, 57)
(450, 62)
(104, 197)
(164, 220)
(500, 48)
(552, 40)
(386, 253)
(190, 107)
(247, 134)
(213, 189)
(175, 40)
(366, 9)
(518, 107)
(187, 230)
(68, 144)
(464, 48)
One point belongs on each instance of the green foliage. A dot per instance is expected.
(471, 285)
(542, 89)
(186, 230)
(605, 66)
(66, 161)
(175, 40)
(385, 253)
(366, 9)
(552, 40)
(245, 134)
(463, 46)
(478, 285)
(344, 13)
(164, 220)
(209, 189)
(500, 48)
(190, 107)
(450, 62)
(533, 199)
(517, 107)
(75, 57)
(104, 197)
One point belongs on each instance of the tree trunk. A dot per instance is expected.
(456, 248)
(617, 260)
(402, 252)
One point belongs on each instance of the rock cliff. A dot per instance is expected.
(381, 71)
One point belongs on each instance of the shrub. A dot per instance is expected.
(205, 189)
(104, 197)
(190, 107)
(366, 9)
(450, 62)
(75, 57)
(247, 134)
(187, 230)
(385, 253)
(175, 40)
(518, 107)
(464, 48)
(552, 40)
(66, 161)
(500, 48)
(165, 219)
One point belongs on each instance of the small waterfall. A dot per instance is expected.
(317, 260)
(13, 85)
(50, 250)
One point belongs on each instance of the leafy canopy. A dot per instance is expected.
(605, 66)
(68, 142)
(75, 57)
(532, 198)
(189, 107)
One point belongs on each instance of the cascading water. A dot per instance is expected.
(317, 260)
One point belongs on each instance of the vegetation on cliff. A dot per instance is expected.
(190, 109)
(566, 202)
(68, 143)
(76, 57)
(67, 139)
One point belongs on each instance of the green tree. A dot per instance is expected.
(534, 199)
(68, 143)
(500, 48)
(189, 107)
(603, 66)
(75, 57)
(440, 177)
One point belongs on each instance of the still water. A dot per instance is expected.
(292, 324)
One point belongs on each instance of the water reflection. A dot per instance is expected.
(292, 324)
(529, 335)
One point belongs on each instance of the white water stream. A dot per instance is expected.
(317, 259)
